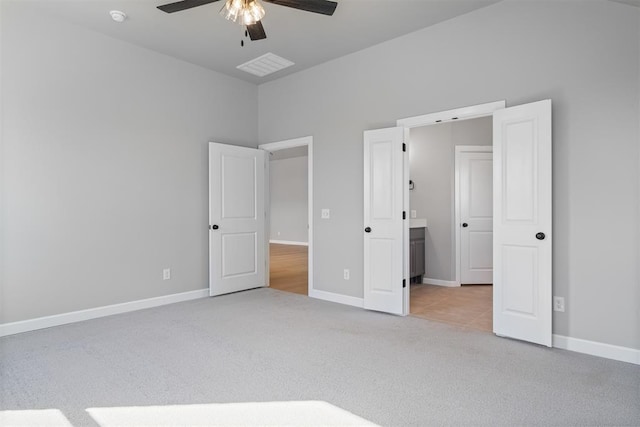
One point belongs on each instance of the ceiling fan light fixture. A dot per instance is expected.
(232, 9)
(243, 12)
(253, 13)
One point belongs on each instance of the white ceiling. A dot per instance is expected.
(635, 3)
(201, 36)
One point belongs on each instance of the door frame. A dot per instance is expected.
(457, 204)
(281, 145)
(456, 114)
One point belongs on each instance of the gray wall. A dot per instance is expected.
(104, 166)
(289, 199)
(432, 164)
(104, 151)
(582, 55)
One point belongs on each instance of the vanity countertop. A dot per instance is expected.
(418, 223)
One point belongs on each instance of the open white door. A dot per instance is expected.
(522, 222)
(383, 220)
(237, 218)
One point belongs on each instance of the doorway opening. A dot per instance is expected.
(451, 221)
(522, 216)
(289, 220)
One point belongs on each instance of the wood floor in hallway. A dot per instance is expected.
(288, 267)
(470, 306)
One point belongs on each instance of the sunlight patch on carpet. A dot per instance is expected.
(296, 413)
(34, 417)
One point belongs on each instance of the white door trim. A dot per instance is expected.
(456, 192)
(406, 301)
(471, 112)
(281, 145)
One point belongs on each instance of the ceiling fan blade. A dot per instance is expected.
(324, 7)
(256, 31)
(183, 5)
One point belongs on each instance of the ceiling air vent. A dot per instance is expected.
(265, 65)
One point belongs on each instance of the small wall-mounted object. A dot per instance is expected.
(411, 185)
(118, 16)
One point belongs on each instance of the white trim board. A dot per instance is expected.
(438, 282)
(593, 348)
(289, 143)
(339, 298)
(471, 112)
(289, 242)
(94, 313)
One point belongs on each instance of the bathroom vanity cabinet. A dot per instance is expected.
(416, 253)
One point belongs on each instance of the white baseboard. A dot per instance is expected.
(333, 297)
(593, 348)
(93, 313)
(289, 242)
(438, 282)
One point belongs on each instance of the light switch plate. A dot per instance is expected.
(326, 214)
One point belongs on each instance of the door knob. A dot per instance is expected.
(540, 236)
(465, 225)
(214, 227)
(367, 230)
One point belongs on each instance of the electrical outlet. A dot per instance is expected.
(347, 274)
(166, 274)
(558, 304)
(414, 213)
(326, 213)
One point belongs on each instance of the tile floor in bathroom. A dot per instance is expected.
(469, 306)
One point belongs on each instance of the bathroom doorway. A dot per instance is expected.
(451, 219)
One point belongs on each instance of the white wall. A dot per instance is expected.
(104, 166)
(432, 164)
(582, 55)
(289, 199)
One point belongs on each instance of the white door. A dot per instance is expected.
(383, 220)
(522, 222)
(475, 171)
(237, 218)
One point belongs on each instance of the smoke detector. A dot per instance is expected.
(118, 16)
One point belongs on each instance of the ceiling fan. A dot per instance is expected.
(250, 12)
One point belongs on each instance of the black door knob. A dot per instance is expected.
(465, 225)
(367, 230)
(540, 236)
(214, 227)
